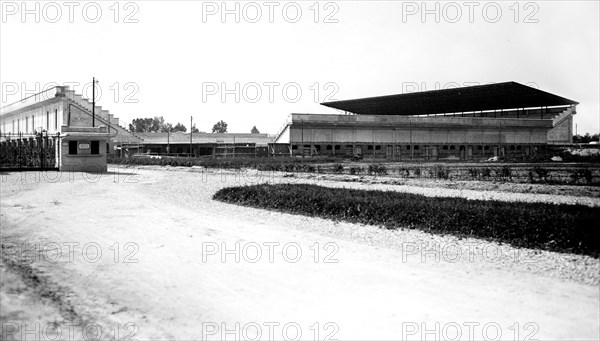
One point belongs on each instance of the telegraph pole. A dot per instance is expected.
(302, 138)
(191, 132)
(93, 101)
(168, 140)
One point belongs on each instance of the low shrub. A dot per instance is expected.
(376, 169)
(565, 228)
(542, 173)
(338, 168)
(439, 172)
(504, 173)
(475, 173)
(581, 174)
(356, 170)
(486, 172)
(404, 172)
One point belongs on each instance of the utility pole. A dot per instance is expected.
(93, 101)
(302, 134)
(191, 132)
(168, 141)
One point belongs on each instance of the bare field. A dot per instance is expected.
(147, 248)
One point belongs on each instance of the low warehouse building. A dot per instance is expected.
(203, 144)
(453, 124)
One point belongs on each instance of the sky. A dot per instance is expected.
(253, 63)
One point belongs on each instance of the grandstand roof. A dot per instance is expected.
(508, 95)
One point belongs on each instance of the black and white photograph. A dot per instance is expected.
(308, 170)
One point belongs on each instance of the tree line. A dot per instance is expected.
(157, 124)
(587, 138)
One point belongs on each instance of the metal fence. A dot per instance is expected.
(26, 152)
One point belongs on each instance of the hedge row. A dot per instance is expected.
(563, 228)
(287, 164)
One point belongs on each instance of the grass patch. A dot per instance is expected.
(563, 228)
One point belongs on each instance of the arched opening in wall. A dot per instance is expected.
(398, 151)
(389, 153)
(329, 147)
(377, 147)
(337, 147)
(462, 150)
(369, 147)
(294, 147)
(317, 149)
(444, 147)
(358, 150)
(452, 147)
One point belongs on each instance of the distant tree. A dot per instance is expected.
(194, 129)
(167, 127)
(143, 125)
(220, 127)
(179, 127)
(587, 138)
(254, 130)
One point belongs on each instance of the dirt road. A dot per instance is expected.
(148, 254)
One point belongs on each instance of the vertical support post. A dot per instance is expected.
(302, 136)
(410, 138)
(93, 101)
(191, 133)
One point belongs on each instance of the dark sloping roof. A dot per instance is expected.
(508, 95)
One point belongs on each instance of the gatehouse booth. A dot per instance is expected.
(83, 149)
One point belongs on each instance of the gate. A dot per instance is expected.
(28, 152)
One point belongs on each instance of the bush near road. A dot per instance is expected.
(551, 174)
(563, 228)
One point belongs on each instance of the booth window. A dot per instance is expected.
(72, 147)
(95, 147)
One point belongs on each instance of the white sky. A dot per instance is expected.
(178, 50)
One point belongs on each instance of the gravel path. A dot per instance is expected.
(426, 247)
